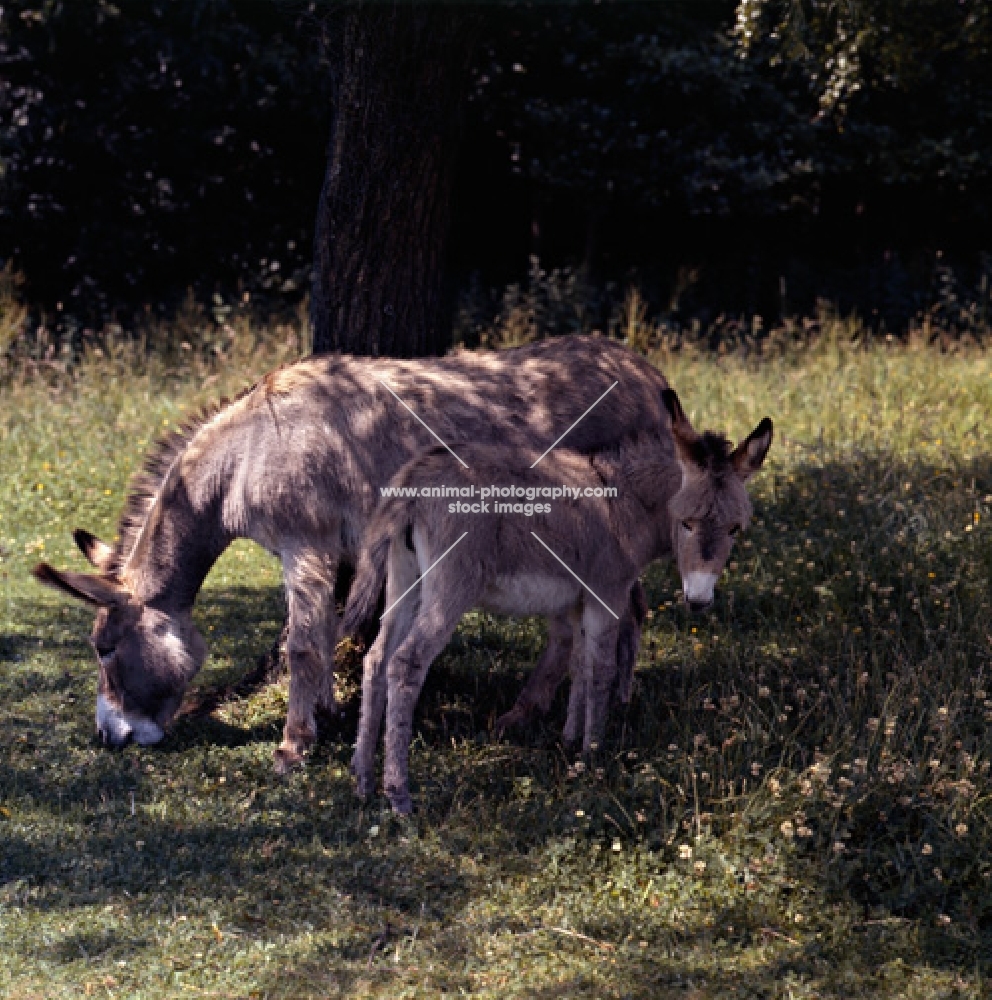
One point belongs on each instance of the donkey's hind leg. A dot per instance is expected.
(443, 602)
(401, 575)
(309, 572)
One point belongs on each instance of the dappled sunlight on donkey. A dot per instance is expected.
(679, 493)
(295, 464)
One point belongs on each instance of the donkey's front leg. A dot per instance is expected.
(629, 641)
(539, 691)
(309, 574)
(601, 630)
(576, 717)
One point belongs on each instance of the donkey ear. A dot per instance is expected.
(675, 412)
(100, 554)
(686, 438)
(750, 453)
(98, 590)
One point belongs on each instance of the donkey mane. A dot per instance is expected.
(144, 486)
(711, 451)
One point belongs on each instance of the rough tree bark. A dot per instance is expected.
(382, 219)
(383, 216)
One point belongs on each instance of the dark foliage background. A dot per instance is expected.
(151, 146)
(749, 156)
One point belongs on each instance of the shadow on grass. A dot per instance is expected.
(860, 600)
(91, 945)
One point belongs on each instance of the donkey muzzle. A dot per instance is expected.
(698, 589)
(117, 729)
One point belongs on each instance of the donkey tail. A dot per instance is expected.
(389, 523)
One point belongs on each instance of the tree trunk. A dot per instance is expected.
(383, 218)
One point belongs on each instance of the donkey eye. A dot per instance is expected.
(687, 525)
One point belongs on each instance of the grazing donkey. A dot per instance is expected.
(678, 493)
(295, 464)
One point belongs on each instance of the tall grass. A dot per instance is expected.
(797, 803)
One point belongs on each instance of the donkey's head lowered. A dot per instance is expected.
(147, 655)
(712, 504)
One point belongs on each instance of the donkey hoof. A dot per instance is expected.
(287, 760)
(401, 801)
(510, 720)
(402, 807)
(364, 786)
(364, 775)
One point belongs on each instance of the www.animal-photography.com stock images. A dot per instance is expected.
(496, 499)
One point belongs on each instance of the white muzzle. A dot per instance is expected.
(698, 587)
(116, 727)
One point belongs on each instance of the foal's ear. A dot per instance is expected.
(98, 590)
(750, 453)
(686, 438)
(99, 554)
(675, 412)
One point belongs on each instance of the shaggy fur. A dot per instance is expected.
(689, 500)
(296, 463)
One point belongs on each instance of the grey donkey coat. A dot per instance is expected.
(296, 463)
(677, 492)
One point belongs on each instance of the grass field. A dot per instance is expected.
(796, 804)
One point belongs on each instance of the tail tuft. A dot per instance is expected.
(367, 585)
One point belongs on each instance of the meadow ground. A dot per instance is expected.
(796, 804)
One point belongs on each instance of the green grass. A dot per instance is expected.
(796, 804)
